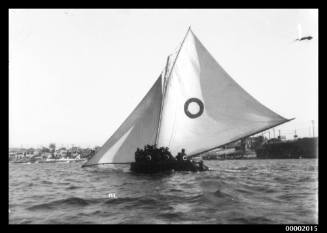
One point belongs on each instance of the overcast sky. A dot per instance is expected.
(75, 75)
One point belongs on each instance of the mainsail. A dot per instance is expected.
(194, 105)
(204, 107)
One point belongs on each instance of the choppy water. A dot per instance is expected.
(236, 192)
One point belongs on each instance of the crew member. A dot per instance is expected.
(181, 156)
(137, 155)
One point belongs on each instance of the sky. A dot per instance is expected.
(75, 75)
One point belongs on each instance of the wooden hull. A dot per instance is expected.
(164, 166)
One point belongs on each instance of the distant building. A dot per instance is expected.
(52, 147)
(19, 155)
(30, 151)
(12, 156)
(75, 149)
(37, 152)
(45, 150)
(257, 141)
(46, 155)
(281, 138)
(61, 153)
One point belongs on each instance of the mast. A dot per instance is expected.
(167, 82)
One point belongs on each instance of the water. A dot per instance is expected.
(236, 192)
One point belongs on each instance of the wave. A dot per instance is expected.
(73, 187)
(251, 220)
(171, 216)
(282, 179)
(46, 182)
(222, 194)
(238, 192)
(241, 168)
(71, 201)
(80, 202)
(307, 179)
(244, 191)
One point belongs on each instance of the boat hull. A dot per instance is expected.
(164, 166)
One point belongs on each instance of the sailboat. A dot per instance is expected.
(193, 104)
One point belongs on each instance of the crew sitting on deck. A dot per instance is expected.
(161, 159)
(139, 155)
(181, 155)
(153, 154)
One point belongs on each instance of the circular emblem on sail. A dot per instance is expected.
(197, 102)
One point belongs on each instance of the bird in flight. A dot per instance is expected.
(300, 37)
(304, 38)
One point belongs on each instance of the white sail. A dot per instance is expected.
(194, 105)
(204, 107)
(139, 129)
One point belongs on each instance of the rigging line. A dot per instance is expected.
(168, 79)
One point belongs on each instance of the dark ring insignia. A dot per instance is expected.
(188, 113)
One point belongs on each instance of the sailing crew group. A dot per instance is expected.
(152, 153)
(161, 157)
